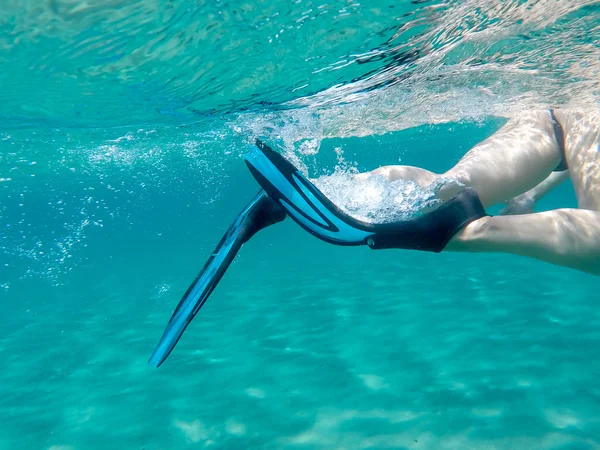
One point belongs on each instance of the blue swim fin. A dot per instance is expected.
(319, 216)
(290, 191)
(258, 214)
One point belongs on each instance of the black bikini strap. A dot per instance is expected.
(559, 134)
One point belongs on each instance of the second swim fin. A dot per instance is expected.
(261, 212)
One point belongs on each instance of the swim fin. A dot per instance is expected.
(261, 212)
(314, 212)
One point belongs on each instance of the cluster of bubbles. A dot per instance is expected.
(427, 63)
(58, 186)
(373, 198)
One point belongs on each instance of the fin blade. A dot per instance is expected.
(206, 281)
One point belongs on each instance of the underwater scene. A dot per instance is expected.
(123, 131)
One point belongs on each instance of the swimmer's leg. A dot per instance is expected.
(518, 157)
(565, 237)
(525, 203)
(582, 154)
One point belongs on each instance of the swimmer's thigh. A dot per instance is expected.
(515, 159)
(582, 153)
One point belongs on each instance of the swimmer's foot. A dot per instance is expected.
(318, 215)
(261, 212)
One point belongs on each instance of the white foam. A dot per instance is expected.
(375, 199)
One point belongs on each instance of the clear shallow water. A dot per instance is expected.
(109, 208)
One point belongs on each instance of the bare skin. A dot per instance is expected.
(515, 166)
(524, 203)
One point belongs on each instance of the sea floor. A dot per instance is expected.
(309, 346)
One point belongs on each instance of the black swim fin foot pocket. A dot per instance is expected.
(433, 230)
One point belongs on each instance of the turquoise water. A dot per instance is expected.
(123, 126)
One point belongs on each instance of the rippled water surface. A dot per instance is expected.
(122, 130)
(122, 63)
